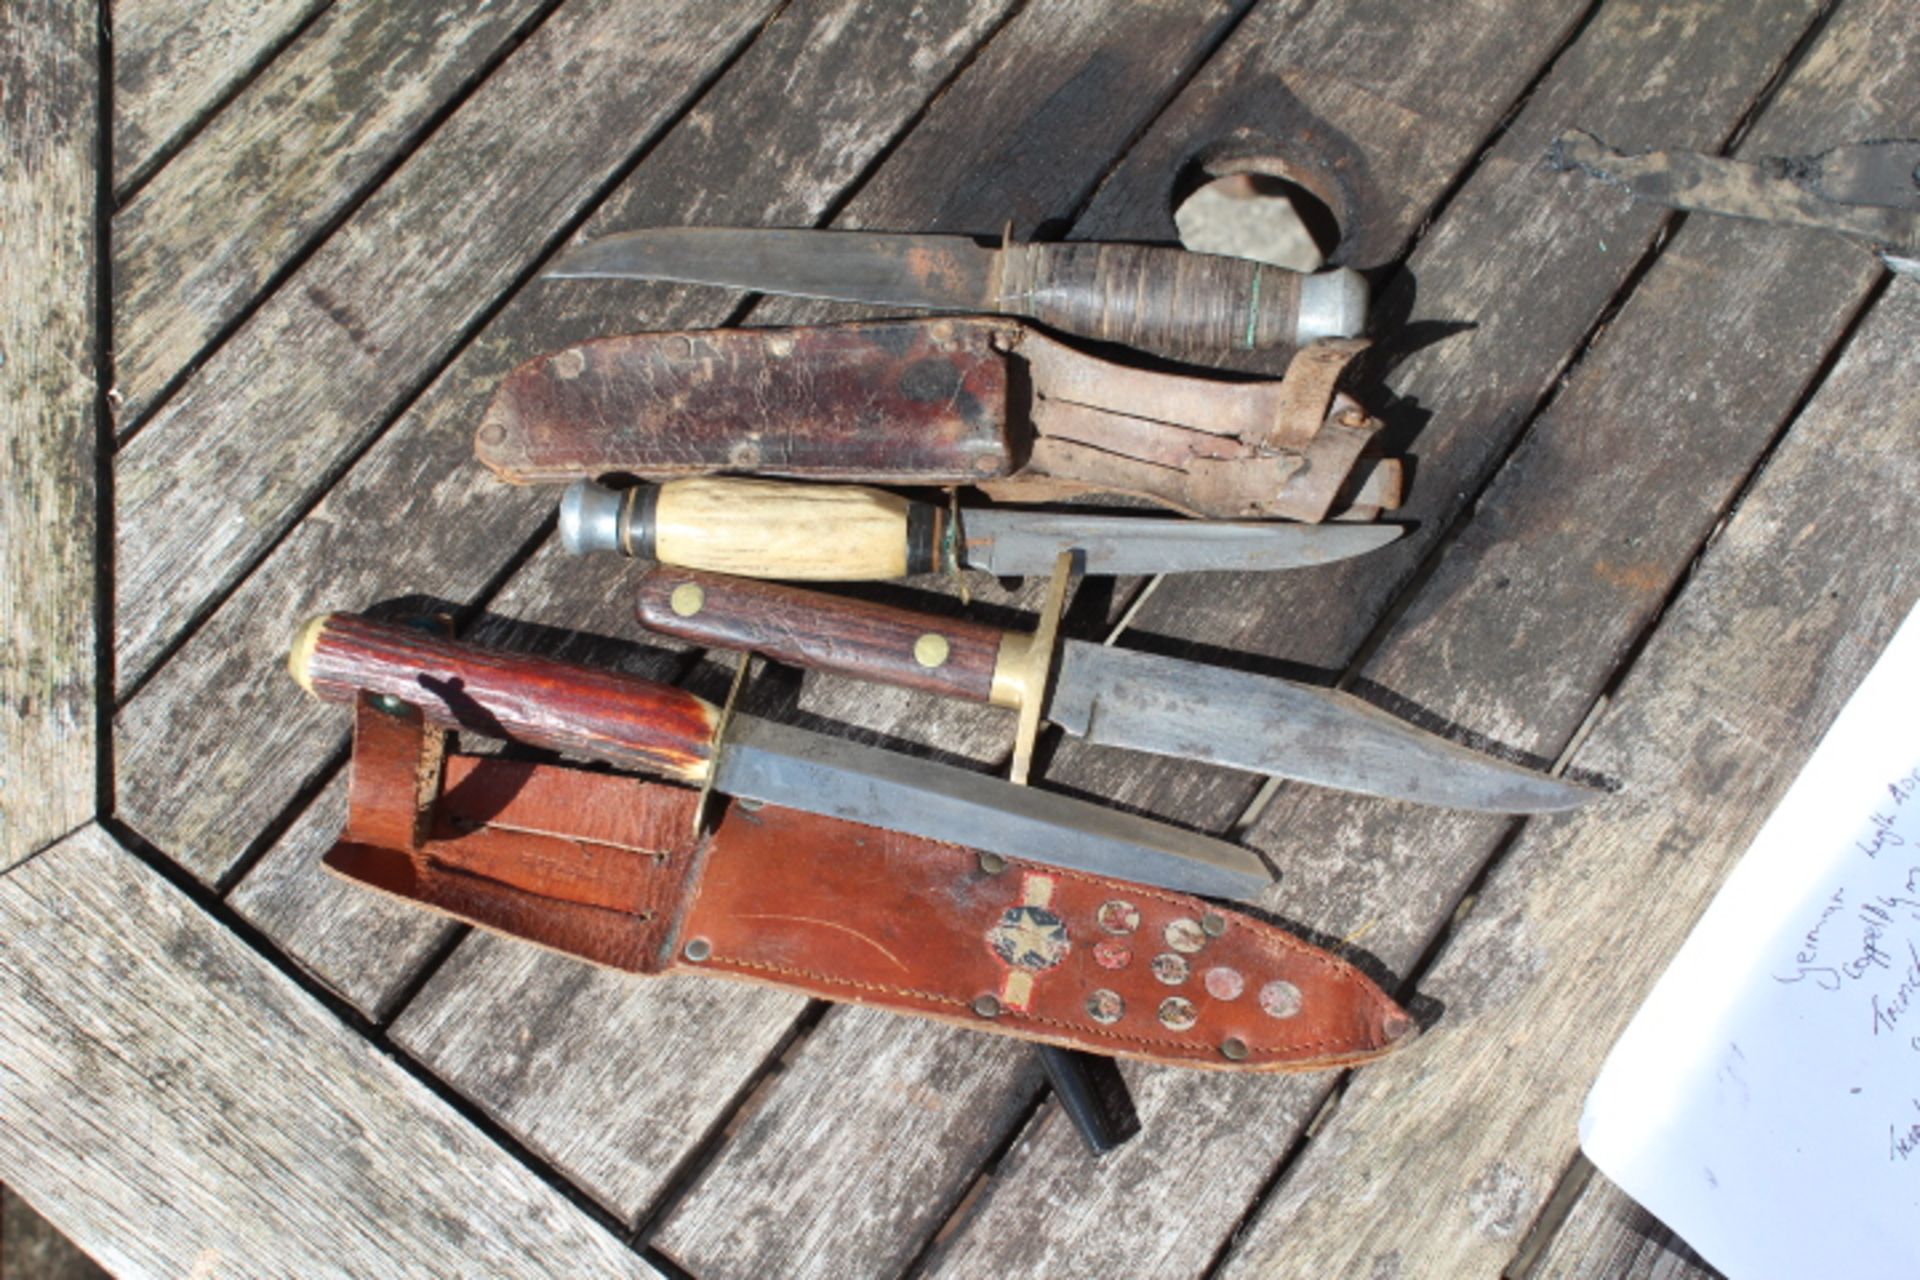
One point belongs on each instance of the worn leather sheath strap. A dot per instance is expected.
(607, 867)
(948, 401)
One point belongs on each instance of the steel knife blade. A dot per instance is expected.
(842, 533)
(1114, 697)
(1150, 295)
(642, 724)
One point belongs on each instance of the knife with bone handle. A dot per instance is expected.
(1152, 296)
(846, 533)
(644, 725)
(1109, 696)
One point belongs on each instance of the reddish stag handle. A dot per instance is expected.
(624, 720)
(824, 632)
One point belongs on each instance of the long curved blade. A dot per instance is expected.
(948, 273)
(1020, 542)
(784, 765)
(1124, 698)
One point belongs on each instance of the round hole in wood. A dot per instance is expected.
(1259, 207)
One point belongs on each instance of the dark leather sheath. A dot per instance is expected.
(948, 401)
(609, 868)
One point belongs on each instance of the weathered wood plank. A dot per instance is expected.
(177, 1106)
(1789, 608)
(929, 1090)
(1354, 866)
(612, 1078)
(1607, 1234)
(49, 65)
(174, 59)
(227, 465)
(1056, 1212)
(1050, 46)
(359, 943)
(778, 141)
(247, 762)
(280, 162)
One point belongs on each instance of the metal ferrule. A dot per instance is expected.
(1333, 304)
(594, 517)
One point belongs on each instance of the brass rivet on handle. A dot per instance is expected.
(986, 1006)
(687, 599)
(1234, 1049)
(932, 650)
(389, 703)
(699, 949)
(992, 863)
(1213, 924)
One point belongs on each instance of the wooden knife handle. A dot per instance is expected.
(829, 633)
(1170, 299)
(624, 720)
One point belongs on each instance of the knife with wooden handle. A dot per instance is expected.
(1107, 695)
(642, 724)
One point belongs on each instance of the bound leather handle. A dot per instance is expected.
(830, 633)
(1164, 298)
(624, 720)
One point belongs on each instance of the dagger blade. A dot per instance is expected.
(943, 273)
(1172, 707)
(800, 769)
(1022, 542)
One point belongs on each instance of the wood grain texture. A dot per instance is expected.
(202, 785)
(991, 138)
(225, 1122)
(1373, 868)
(822, 631)
(1756, 656)
(932, 1081)
(271, 170)
(798, 117)
(611, 1078)
(362, 945)
(1607, 1234)
(227, 466)
(173, 60)
(1185, 1220)
(642, 725)
(50, 74)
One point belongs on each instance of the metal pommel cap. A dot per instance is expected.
(1333, 304)
(590, 518)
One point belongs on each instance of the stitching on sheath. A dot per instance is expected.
(844, 982)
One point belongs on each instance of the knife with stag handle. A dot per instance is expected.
(644, 725)
(1110, 696)
(1152, 296)
(848, 533)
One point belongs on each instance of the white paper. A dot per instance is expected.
(1765, 1101)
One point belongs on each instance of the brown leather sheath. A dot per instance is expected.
(948, 401)
(609, 868)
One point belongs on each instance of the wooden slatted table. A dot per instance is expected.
(263, 264)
